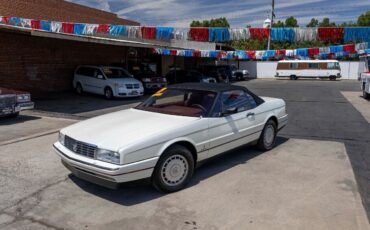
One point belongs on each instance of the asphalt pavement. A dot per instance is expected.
(319, 111)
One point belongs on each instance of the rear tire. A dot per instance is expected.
(333, 78)
(108, 93)
(174, 169)
(365, 95)
(268, 136)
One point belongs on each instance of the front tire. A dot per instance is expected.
(79, 89)
(174, 169)
(108, 93)
(333, 78)
(268, 137)
(365, 95)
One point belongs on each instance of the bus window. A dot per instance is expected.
(313, 65)
(333, 65)
(293, 66)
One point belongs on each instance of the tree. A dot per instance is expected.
(291, 22)
(216, 22)
(364, 19)
(313, 23)
(326, 23)
(278, 24)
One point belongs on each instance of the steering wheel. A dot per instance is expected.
(199, 106)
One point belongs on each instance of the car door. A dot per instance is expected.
(233, 123)
(97, 81)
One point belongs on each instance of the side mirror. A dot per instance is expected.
(230, 111)
(100, 76)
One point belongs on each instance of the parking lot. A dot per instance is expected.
(316, 178)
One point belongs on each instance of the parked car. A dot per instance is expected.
(231, 71)
(295, 69)
(182, 76)
(364, 75)
(150, 79)
(106, 80)
(14, 101)
(166, 136)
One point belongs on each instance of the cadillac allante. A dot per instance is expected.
(166, 136)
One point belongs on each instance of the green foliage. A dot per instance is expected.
(313, 23)
(364, 19)
(278, 24)
(326, 23)
(216, 22)
(291, 22)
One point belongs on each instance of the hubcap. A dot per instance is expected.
(108, 93)
(174, 170)
(269, 135)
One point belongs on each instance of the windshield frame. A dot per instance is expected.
(207, 114)
(125, 72)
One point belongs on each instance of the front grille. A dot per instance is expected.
(132, 86)
(79, 147)
(7, 101)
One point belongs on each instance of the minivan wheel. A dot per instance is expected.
(174, 169)
(268, 136)
(333, 78)
(293, 77)
(365, 94)
(108, 93)
(79, 89)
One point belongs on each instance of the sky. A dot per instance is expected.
(179, 13)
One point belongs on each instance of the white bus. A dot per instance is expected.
(308, 69)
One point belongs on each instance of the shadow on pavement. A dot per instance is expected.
(16, 120)
(140, 191)
(71, 103)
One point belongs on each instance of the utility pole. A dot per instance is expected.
(272, 22)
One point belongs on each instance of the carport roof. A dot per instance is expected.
(97, 40)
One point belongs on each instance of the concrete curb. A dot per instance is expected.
(25, 138)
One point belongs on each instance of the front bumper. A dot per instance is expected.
(154, 86)
(102, 173)
(124, 92)
(26, 105)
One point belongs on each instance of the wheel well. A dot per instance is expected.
(273, 118)
(189, 146)
(107, 87)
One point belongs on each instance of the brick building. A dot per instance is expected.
(44, 62)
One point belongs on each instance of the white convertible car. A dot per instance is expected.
(166, 136)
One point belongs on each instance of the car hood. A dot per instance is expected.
(121, 129)
(124, 80)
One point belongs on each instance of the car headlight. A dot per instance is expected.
(146, 79)
(23, 97)
(108, 156)
(61, 138)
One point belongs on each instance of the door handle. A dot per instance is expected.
(250, 114)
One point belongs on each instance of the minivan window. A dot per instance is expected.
(293, 65)
(116, 73)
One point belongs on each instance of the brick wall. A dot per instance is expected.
(59, 10)
(42, 65)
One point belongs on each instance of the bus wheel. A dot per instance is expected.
(293, 77)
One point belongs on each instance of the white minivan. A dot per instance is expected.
(106, 80)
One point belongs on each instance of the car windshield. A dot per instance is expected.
(191, 103)
(116, 73)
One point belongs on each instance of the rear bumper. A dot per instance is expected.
(109, 175)
(154, 86)
(282, 122)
